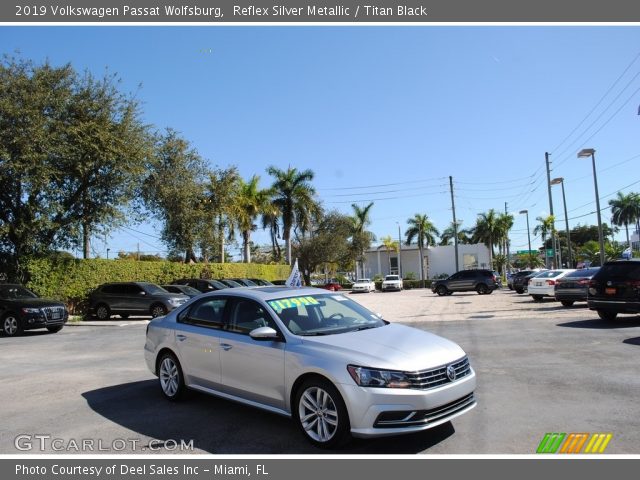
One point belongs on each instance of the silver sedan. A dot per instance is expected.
(320, 358)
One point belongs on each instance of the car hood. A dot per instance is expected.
(32, 302)
(395, 347)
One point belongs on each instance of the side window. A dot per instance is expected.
(207, 313)
(247, 315)
(109, 289)
(132, 289)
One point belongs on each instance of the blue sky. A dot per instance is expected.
(383, 113)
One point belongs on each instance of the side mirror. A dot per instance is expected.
(264, 333)
(143, 292)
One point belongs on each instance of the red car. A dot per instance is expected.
(333, 286)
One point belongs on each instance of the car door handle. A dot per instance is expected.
(226, 346)
(181, 337)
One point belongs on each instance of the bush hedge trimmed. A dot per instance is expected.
(71, 280)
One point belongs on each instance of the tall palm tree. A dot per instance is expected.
(250, 203)
(424, 232)
(293, 195)
(546, 226)
(487, 231)
(446, 238)
(271, 220)
(389, 244)
(361, 238)
(624, 211)
(505, 223)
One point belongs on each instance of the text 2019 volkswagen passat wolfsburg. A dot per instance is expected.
(333, 366)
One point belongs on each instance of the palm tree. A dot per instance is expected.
(545, 227)
(446, 238)
(423, 231)
(625, 211)
(271, 220)
(361, 238)
(389, 244)
(487, 231)
(293, 195)
(250, 203)
(505, 223)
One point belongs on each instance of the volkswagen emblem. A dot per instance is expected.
(451, 373)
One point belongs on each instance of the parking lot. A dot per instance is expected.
(541, 368)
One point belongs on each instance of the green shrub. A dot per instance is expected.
(71, 280)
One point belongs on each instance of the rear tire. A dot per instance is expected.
(170, 377)
(567, 303)
(607, 315)
(519, 290)
(482, 289)
(158, 310)
(321, 413)
(537, 298)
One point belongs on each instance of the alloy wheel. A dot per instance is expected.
(318, 414)
(169, 377)
(10, 325)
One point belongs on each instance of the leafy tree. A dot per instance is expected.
(389, 244)
(424, 232)
(487, 231)
(546, 226)
(175, 192)
(447, 236)
(294, 197)
(221, 194)
(327, 243)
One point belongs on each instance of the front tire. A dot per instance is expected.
(607, 315)
(170, 377)
(441, 290)
(11, 325)
(103, 312)
(321, 413)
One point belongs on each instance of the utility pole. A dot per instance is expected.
(455, 223)
(553, 228)
(138, 251)
(508, 262)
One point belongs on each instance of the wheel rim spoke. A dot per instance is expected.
(318, 414)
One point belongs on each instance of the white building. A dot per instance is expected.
(437, 260)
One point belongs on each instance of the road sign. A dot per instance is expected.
(549, 252)
(526, 252)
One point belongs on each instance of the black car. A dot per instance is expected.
(615, 289)
(183, 289)
(202, 284)
(520, 280)
(261, 282)
(481, 281)
(132, 298)
(230, 283)
(21, 309)
(574, 286)
(245, 282)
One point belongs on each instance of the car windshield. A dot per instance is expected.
(188, 290)
(363, 280)
(153, 289)
(550, 274)
(15, 291)
(231, 283)
(585, 272)
(392, 277)
(323, 315)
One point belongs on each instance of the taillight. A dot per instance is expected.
(551, 282)
(584, 282)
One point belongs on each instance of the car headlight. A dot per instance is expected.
(176, 301)
(30, 310)
(369, 377)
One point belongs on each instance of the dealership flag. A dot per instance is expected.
(294, 279)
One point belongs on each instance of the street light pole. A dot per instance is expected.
(528, 233)
(560, 181)
(399, 252)
(585, 153)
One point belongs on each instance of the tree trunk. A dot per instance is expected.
(221, 228)
(626, 226)
(247, 251)
(86, 240)
(422, 266)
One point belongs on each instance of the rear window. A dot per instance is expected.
(585, 272)
(392, 277)
(549, 274)
(621, 270)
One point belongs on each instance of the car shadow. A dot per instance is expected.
(632, 341)
(220, 426)
(597, 323)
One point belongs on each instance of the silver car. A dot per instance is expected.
(336, 368)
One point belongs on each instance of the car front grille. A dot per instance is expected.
(436, 377)
(54, 314)
(433, 416)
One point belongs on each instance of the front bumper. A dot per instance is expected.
(377, 412)
(391, 287)
(45, 318)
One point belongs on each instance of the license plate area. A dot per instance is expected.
(610, 291)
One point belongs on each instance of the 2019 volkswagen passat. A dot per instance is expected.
(333, 366)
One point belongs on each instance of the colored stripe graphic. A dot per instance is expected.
(573, 443)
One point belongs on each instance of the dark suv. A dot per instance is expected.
(520, 280)
(132, 298)
(481, 281)
(21, 309)
(615, 289)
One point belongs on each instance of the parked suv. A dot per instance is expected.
(132, 298)
(21, 309)
(520, 280)
(615, 289)
(481, 281)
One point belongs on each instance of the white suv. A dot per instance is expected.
(392, 282)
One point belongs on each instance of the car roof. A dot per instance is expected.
(267, 293)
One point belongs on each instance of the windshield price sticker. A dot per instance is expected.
(293, 302)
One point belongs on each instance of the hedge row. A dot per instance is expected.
(409, 284)
(71, 280)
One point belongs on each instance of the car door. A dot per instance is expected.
(136, 299)
(251, 369)
(197, 337)
(455, 281)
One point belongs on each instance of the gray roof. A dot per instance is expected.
(268, 293)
